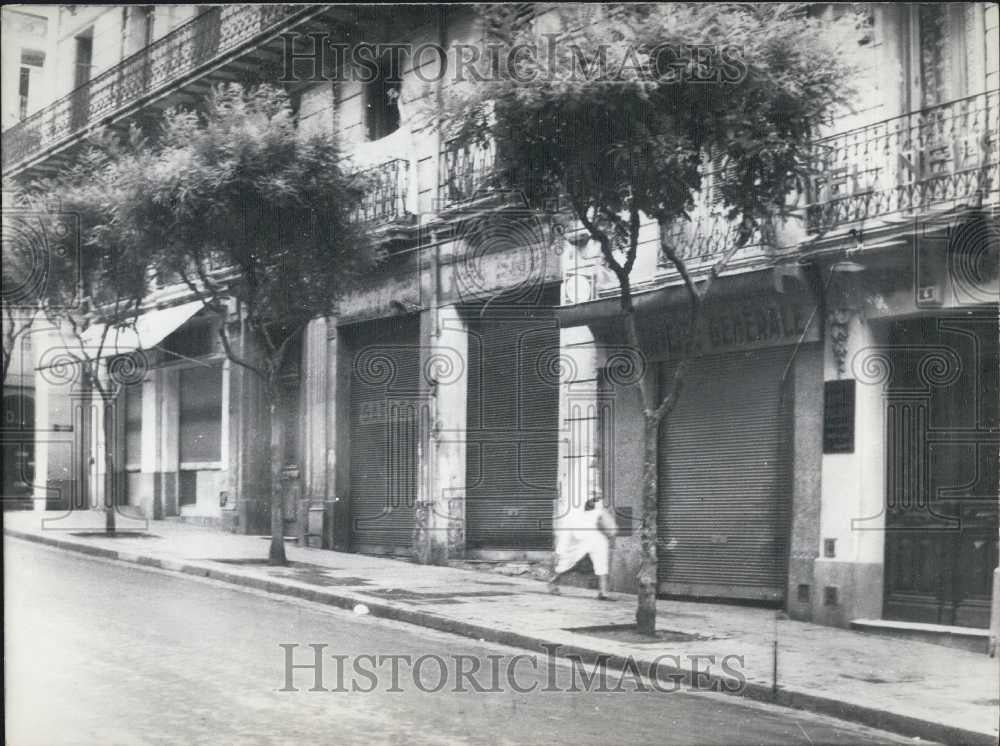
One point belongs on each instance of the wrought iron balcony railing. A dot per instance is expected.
(708, 236)
(387, 186)
(940, 155)
(471, 170)
(206, 37)
(468, 170)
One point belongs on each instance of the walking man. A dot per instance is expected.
(592, 533)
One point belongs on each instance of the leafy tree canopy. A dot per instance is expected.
(234, 200)
(619, 104)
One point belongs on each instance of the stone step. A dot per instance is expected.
(964, 638)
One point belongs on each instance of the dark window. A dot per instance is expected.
(207, 32)
(933, 55)
(187, 488)
(291, 402)
(838, 417)
(201, 414)
(192, 340)
(22, 92)
(133, 424)
(32, 58)
(381, 100)
(80, 97)
(84, 58)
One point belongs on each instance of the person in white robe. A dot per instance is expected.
(589, 532)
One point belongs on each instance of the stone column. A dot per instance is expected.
(338, 434)
(150, 495)
(250, 454)
(168, 452)
(804, 394)
(314, 388)
(439, 534)
(314, 391)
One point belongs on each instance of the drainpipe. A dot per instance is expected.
(439, 103)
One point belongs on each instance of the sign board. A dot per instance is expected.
(748, 323)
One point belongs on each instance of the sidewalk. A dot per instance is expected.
(913, 688)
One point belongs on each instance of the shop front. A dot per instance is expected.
(725, 452)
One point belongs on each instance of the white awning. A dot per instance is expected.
(149, 330)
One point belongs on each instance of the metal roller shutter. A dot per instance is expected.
(513, 418)
(384, 434)
(725, 480)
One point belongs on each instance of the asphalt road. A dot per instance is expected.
(99, 652)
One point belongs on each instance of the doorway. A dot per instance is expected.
(942, 415)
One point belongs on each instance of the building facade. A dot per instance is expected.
(835, 451)
(28, 34)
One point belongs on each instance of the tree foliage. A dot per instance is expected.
(239, 187)
(234, 201)
(621, 104)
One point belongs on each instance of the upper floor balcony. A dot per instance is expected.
(222, 44)
(936, 158)
(472, 174)
(385, 201)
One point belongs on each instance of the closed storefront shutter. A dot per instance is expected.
(384, 434)
(725, 480)
(513, 417)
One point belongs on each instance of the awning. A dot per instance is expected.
(149, 330)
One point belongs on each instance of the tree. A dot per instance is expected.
(83, 279)
(242, 208)
(619, 108)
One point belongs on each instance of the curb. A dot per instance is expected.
(794, 699)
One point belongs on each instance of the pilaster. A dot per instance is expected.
(439, 533)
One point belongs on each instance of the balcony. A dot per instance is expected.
(201, 44)
(942, 157)
(386, 190)
(707, 236)
(468, 171)
(472, 174)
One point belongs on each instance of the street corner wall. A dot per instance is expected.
(847, 573)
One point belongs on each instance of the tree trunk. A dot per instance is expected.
(277, 554)
(110, 493)
(645, 615)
